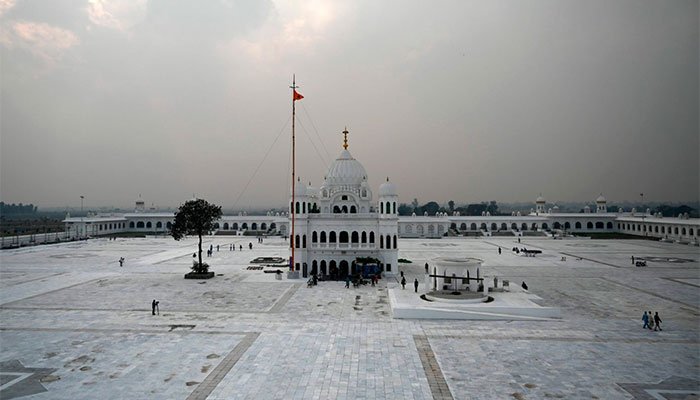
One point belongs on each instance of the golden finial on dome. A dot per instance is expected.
(345, 138)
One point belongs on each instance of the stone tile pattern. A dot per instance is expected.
(438, 385)
(205, 388)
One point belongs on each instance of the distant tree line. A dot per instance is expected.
(433, 207)
(17, 209)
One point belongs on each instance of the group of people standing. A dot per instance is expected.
(651, 322)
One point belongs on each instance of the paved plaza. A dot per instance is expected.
(74, 325)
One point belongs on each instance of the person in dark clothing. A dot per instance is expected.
(657, 321)
(499, 251)
(645, 319)
(154, 305)
(524, 285)
(403, 282)
(415, 285)
(250, 246)
(240, 247)
(426, 268)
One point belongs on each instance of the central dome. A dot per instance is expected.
(345, 170)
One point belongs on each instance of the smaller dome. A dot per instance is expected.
(540, 199)
(600, 199)
(311, 190)
(299, 189)
(387, 189)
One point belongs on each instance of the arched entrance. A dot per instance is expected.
(323, 267)
(344, 269)
(333, 270)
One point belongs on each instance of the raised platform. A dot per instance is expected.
(517, 305)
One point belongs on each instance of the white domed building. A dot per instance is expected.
(340, 222)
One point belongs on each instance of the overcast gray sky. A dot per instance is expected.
(453, 100)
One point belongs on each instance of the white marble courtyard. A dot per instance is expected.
(74, 325)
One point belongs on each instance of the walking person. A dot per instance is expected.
(651, 321)
(657, 321)
(645, 319)
(499, 250)
(415, 285)
(403, 282)
(250, 245)
(154, 306)
(347, 281)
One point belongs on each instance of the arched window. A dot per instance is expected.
(345, 209)
(393, 208)
(225, 226)
(545, 226)
(296, 241)
(504, 226)
(381, 241)
(473, 226)
(431, 230)
(514, 226)
(577, 225)
(371, 237)
(534, 226)
(363, 237)
(691, 232)
(409, 229)
(355, 238)
(323, 236)
(273, 225)
(610, 225)
(419, 230)
(149, 225)
(557, 225)
(599, 225)
(483, 226)
(656, 229)
(388, 242)
(381, 207)
(297, 207)
(140, 224)
(263, 226)
(303, 208)
(589, 225)
(336, 210)
(254, 226)
(353, 210)
(343, 237)
(675, 230)
(331, 237)
(100, 227)
(159, 224)
(388, 207)
(234, 226)
(323, 267)
(494, 227)
(314, 237)
(567, 225)
(463, 227)
(169, 225)
(303, 240)
(523, 226)
(110, 227)
(683, 231)
(244, 225)
(395, 242)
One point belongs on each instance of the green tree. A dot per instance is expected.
(451, 205)
(195, 217)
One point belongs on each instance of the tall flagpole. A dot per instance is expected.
(291, 241)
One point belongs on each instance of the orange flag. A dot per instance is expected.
(296, 96)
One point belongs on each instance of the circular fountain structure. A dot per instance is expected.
(456, 280)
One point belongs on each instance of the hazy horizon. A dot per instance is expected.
(467, 101)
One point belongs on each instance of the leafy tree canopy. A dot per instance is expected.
(195, 217)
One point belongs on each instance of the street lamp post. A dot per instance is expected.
(644, 213)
